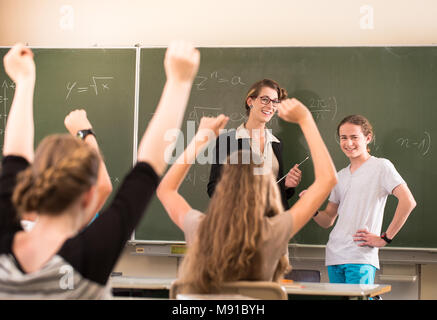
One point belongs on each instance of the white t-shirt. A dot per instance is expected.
(361, 197)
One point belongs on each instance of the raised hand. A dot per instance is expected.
(181, 61)
(292, 110)
(19, 131)
(19, 64)
(213, 123)
(77, 120)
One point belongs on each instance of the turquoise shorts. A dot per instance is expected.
(352, 273)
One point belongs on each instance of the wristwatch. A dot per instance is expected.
(83, 133)
(384, 237)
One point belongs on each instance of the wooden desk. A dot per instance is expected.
(311, 290)
(160, 287)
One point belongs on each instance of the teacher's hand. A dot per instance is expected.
(294, 177)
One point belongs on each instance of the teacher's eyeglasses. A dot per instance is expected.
(266, 100)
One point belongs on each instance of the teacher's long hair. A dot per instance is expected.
(227, 243)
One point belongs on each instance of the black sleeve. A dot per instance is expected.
(94, 251)
(11, 166)
(289, 192)
(215, 173)
(221, 152)
(286, 193)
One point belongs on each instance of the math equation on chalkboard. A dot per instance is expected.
(420, 144)
(97, 85)
(6, 95)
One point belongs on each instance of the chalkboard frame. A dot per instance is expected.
(129, 56)
(386, 47)
(137, 135)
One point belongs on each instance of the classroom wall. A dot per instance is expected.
(210, 22)
(82, 23)
(428, 282)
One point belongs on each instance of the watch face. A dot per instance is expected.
(84, 133)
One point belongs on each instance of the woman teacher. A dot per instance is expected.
(261, 104)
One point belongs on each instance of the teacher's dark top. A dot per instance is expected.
(243, 143)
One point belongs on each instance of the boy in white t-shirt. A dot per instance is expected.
(358, 200)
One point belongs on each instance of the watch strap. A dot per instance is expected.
(385, 238)
(82, 134)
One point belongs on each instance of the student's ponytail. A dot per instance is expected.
(64, 168)
(21, 198)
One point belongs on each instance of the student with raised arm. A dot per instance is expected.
(245, 233)
(58, 259)
(358, 200)
(75, 122)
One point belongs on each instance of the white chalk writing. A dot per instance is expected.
(201, 82)
(198, 112)
(99, 84)
(421, 144)
(323, 108)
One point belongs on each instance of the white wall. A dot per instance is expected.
(212, 22)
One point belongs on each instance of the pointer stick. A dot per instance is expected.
(297, 165)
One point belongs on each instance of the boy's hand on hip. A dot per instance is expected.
(365, 238)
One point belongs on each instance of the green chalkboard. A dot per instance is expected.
(395, 87)
(101, 81)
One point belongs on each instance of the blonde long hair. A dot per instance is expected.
(227, 243)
